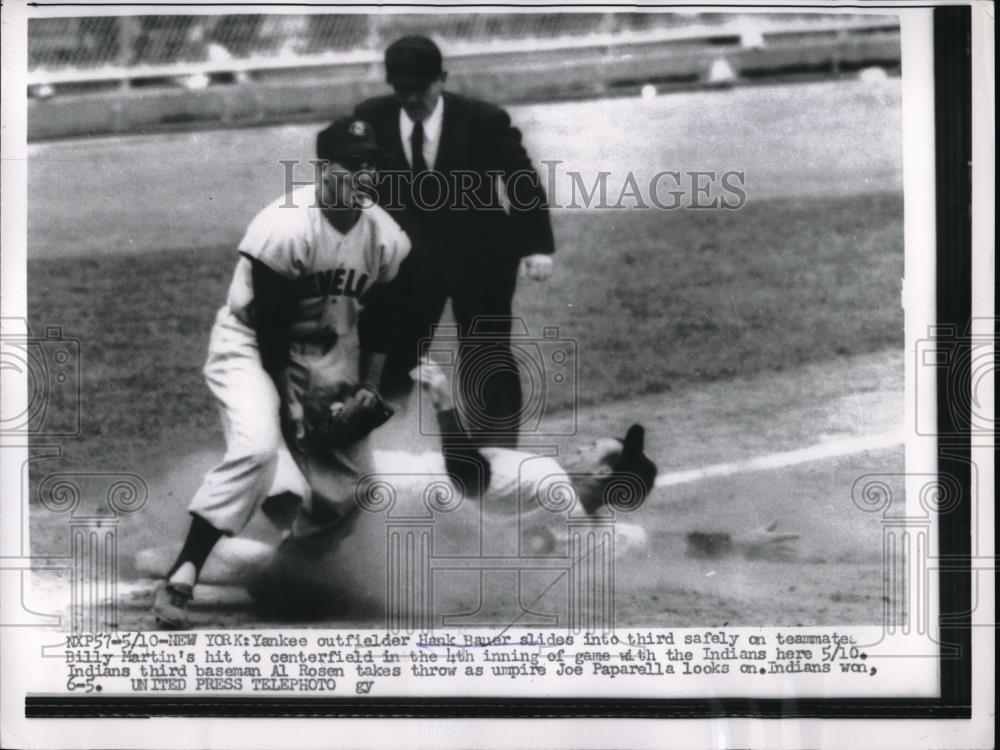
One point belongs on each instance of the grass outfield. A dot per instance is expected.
(656, 300)
(135, 259)
(199, 190)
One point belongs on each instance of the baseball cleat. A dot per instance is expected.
(170, 605)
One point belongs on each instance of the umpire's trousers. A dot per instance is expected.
(487, 375)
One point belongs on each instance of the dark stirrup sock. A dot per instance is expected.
(201, 538)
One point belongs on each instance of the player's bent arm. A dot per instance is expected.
(369, 376)
(467, 468)
(379, 313)
(274, 309)
(373, 328)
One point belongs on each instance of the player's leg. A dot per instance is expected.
(233, 561)
(297, 580)
(233, 490)
(335, 477)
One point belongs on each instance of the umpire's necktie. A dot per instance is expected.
(417, 148)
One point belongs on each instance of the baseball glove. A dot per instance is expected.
(338, 424)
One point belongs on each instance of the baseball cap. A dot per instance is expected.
(633, 461)
(412, 61)
(346, 138)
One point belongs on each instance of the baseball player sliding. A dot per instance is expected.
(292, 356)
(516, 488)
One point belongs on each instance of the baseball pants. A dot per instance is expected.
(256, 463)
(333, 477)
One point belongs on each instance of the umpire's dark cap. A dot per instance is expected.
(412, 61)
(346, 138)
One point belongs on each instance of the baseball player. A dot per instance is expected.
(518, 490)
(292, 356)
(610, 471)
(503, 474)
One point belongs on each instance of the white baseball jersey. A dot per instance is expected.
(331, 270)
(526, 491)
(532, 488)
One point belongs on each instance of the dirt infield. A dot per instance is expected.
(834, 575)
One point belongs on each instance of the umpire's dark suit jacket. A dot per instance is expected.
(469, 248)
(477, 139)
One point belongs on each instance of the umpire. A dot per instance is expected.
(454, 174)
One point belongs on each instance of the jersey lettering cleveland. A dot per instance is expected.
(331, 273)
